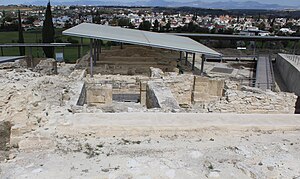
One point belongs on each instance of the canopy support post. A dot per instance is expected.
(97, 50)
(81, 46)
(94, 51)
(91, 57)
(186, 58)
(193, 65)
(202, 65)
(180, 57)
(31, 57)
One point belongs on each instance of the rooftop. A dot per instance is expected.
(139, 37)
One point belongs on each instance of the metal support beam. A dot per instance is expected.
(294, 50)
(78, 51)
(63, 51)
(180, 57)
(100, 42)
(254, 50)
(81, 46)
(91, 57)
(193, 65)
(30, 56)
(96, 48)
(186, 58)
(99, 49)
(202, 64)
(95, 51)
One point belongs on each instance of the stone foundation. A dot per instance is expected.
(98, 94)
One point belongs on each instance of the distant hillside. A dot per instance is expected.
(162, 3)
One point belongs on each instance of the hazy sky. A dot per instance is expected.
(280, 2)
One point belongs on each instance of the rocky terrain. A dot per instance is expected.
(39, 140)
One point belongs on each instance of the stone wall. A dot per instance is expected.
(143, 90)
(290, 72)
(207, 89)
(131, 60)
(181, 87)
(98, 94)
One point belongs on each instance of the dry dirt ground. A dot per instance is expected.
(40, 108)
(197, 154)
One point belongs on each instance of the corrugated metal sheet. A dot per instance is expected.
(139, 37)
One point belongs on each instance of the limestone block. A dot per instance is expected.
(206, 89)
(99, 94)
(160, 96)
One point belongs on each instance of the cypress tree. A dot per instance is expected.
(48, 32)
(21, 37)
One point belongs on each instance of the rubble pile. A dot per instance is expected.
(253, 100)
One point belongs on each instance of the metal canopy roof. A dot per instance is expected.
(10, 58)
(35, 45)
(237, 37)
(138, 37)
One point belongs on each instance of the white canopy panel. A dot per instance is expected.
(139, 37)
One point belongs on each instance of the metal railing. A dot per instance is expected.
(252, 82)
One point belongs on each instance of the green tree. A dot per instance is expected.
(131, 26)
(168, 26)
(21, 36)
(48, 32)
(31, 19)
(195, 16)
(262, 26)
(145, 25)
(3, 20)
(191, 27)
(155, 25)
(123, 22)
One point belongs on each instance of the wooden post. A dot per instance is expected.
(193, 65)
(91, 57)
